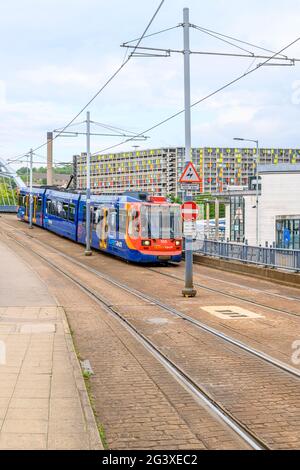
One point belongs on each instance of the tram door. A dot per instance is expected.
(27, 207)
(104, 228)
(101, 222)
(34, 209)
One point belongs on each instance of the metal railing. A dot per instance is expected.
(262, 256)
(8, 209)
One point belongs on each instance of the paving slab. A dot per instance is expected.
(43, 399)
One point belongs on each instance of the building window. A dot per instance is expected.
(237, 219)
(288, 233)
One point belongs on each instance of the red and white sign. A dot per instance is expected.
(190, 175)
(189, 211)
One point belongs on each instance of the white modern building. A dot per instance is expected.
(278, 209)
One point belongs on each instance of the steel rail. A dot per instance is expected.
(255, 289)
(187, 382)
(233, 296)
(204, 327)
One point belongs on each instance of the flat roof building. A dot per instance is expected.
(278, 209)
(157, 171)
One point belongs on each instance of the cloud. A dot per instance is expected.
(2, 93)
(45, 81)
(61, 76)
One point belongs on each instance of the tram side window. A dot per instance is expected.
(21, 200)
(49, 206)
(39, 204)
(122, 221)
(112, 221)
(134, 223)
(52, 207)
(64, 210)
(72, 211)
(95, 216)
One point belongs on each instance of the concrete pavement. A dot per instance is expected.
(43, 399)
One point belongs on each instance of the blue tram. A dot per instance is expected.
(134, 226)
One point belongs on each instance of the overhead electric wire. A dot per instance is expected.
(210, 95)
(26, 161)
(154, 34)
(71, 125)
(223, 40)
(252, 62)
(112, 128)
(103, 87)
(235, 39)
(40, 156)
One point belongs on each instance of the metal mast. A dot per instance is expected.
(30, 191)
(189, 290)
(88, 251)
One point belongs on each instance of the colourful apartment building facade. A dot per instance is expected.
(158, 171)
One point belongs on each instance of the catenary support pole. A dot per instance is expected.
(189, 290)
(27, 170)
(88, 251)
(217, 219)
(207, 218)
(30, 190)
(49, 158)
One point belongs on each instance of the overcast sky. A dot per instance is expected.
(55, 54)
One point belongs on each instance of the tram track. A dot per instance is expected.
(152, 300)
(218, 291)
(186, 379)
(255, 289)
(199, 394)
(237, 297)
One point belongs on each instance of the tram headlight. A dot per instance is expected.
(178, 243)
(146, 243)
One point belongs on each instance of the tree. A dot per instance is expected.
(203, 198)
(174, 199)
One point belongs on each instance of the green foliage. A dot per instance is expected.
(203, 198)
(87, 374)
(64, 170)
(174, 199)
(103, 436)
(61, 170)
(8, 196)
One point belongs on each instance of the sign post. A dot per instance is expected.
(189, 181)
(189, 214)
(31, 191)
(188, 177)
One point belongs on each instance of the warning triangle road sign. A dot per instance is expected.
(190, 175)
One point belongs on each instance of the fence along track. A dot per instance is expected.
(261, 256)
